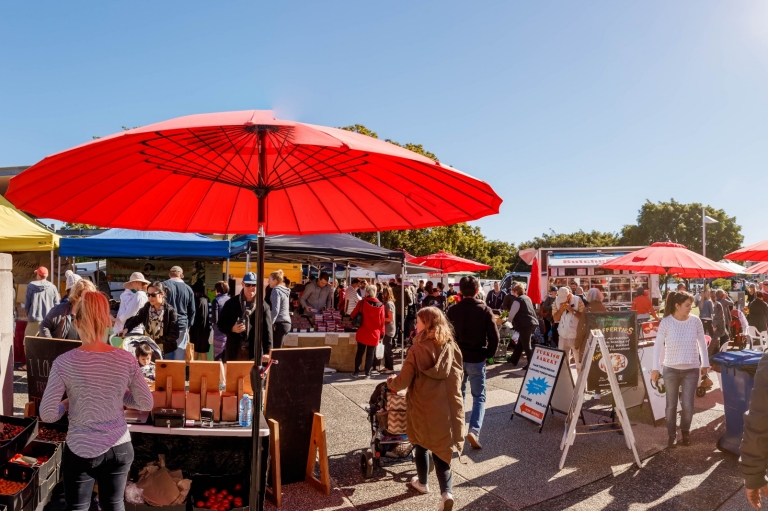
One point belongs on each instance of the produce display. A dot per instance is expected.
(29, 460)
(10, 431)
(222, 500)
(51, 435)
(8, 487)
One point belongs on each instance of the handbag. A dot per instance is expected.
(357, 321)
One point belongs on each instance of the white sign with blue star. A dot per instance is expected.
(539, 383)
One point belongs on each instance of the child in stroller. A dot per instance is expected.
(386, 413)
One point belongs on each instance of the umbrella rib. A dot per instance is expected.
(290, 202)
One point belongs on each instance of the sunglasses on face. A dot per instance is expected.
(154, 295)
(249, 285)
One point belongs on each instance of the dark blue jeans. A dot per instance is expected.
(442, 469)
(110, 470)
(674, 379)
(475, 373)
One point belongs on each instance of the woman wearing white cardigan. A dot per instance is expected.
(682, 351)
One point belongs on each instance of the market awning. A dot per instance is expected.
(127, 243)
(19, 233)
(341, 248)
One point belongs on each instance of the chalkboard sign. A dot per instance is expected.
(620, 332)
(41, 352)
(294, 392)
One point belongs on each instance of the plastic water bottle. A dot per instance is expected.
(246, 411)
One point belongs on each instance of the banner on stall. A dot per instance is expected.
(620, 332)
(539, 384)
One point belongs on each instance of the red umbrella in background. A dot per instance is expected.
(756, 252)
(534, 283)
(666, 258)
(449, 263)
(758, 269)
(240, 172)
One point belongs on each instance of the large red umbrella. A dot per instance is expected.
(534, 283)
(205, 173)
(756, 252)
(666, 258)
(758, 269)
(238, 172)
(449, 263)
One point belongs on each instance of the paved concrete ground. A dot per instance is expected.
(517, 467)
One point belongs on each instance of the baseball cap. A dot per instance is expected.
(42, 271)
(249, 278)
(553, 288)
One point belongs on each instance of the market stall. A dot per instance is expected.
(562, 267)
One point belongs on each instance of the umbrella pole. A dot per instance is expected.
(255, 497)
(402, 316)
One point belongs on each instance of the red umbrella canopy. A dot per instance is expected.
(758, 269)
(449, 263)
(204, 173)
(756, 252)
(669, 258)
(534, 283)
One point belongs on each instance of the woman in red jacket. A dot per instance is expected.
(370, 331)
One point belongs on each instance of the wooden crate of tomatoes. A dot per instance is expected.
(219, 493)
(17, 487)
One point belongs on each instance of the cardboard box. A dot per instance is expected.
(193, 406)
(214, 403)
(178, 399)
(158, 398)
(229, 406)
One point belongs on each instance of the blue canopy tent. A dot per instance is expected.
(127, 243)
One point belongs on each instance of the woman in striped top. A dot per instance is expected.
(95, 378)
(681, 343)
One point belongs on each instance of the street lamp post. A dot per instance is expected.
(704, 221)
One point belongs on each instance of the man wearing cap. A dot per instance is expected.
(182, 298)
(41, 297)
(131, 301)
(237, 319)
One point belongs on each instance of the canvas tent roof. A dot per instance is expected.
(19, 233)
(341, 248)
(128, 243)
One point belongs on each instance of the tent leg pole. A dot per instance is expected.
(51, 266)
(58, 274)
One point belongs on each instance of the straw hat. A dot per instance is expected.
(136, 277)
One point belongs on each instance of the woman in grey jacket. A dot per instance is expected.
(280, 298)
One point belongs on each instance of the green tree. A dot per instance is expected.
(460, 239)
(85, 227)
(681, 223)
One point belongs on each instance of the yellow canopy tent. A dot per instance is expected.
(19, 233)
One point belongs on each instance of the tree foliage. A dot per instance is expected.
(460, 239)
(681, 223)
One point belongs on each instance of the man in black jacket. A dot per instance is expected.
(478, 338)
(182, 298)
(238, 320)
(524, 320)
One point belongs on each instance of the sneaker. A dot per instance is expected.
(686, 438)
(672, 442)
(473, 440)
(356, 375)
(416, 485)
(447, 503)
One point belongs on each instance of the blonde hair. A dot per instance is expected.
(77, 290)
(436, 326)
(371, 291)
(92, 315)
(278, 276)
(390, 297)
(518, 287)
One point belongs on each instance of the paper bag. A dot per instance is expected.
(214, 403)
(158, 398)
(193, 406)
(228, 406)
(178, 399)
(159, 488)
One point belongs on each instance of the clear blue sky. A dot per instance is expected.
(575, 112)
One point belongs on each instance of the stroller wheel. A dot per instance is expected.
(366, 464)
(701, 392)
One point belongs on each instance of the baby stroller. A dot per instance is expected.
(131, 343)
(386, 413)
(507, 341)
